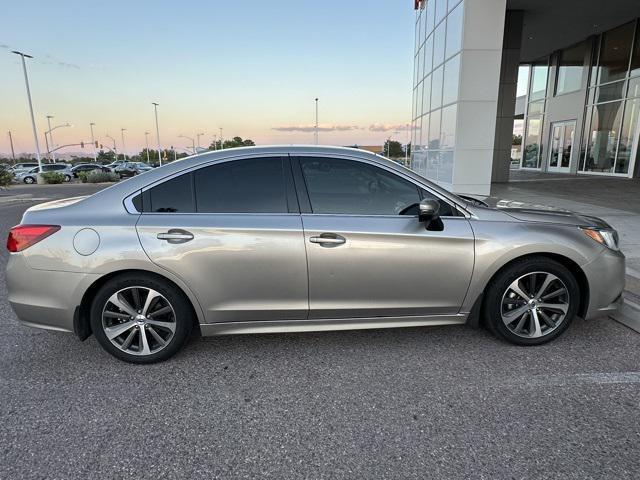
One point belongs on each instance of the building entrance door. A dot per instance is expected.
(561, 143)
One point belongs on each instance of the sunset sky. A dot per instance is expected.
(252, 68)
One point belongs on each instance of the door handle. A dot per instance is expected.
(176, 235)
(328, 240)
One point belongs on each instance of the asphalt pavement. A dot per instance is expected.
(442, 402)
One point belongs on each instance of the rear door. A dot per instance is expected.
(232, 231)
(368, 259)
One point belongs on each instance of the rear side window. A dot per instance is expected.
(240, 186)
(255, 185)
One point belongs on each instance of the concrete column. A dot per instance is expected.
(481, 60)
(512, 42)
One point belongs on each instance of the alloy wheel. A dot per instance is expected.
(139, 320)
(535, 304)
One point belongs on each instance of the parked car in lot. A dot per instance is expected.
(285, 239)
(129, 169)
(88, 167)
(23, 167)
(31, 176)
(112, 166)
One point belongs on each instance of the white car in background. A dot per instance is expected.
(31, 176)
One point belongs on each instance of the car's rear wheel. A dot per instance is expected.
(67, 178)
(141, 318)
(29, 180)
(532, 301)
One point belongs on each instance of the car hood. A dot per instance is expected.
(531, 212)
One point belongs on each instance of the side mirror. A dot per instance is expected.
(428, 214)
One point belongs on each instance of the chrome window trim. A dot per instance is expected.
(128, 203)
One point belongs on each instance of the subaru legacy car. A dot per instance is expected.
(292, 239)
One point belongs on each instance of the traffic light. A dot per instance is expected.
(97, 144)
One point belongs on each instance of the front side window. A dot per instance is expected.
(337, 186)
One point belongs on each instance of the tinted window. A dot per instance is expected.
(254, 185)
(175, 195)
(350, 187)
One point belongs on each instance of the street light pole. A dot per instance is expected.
(221, 145)
(193, 142)
(124, 152)
(146, 141)
(316, 129)
(115, 150)
(198, 135)
(52, 156)
(155, 106)
(33, 120)
(13, 153)
(93, 142)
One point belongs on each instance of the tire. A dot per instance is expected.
(171, 325)
(537, 320)
(29, 180)
(67, 178)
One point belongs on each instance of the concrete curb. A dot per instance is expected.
(629, 312)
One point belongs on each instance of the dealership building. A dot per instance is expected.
(562, 74)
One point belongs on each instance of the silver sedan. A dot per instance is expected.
(290, 239)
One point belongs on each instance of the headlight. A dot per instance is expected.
(604, 236)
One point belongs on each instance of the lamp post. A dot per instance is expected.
(215, 142)
(124, 152)
(193, 142)
(146, 142)
(51, 148)
(33, 120)
(93, 142)
(13, 153)
(155, 106)
(198, 135)
(316, 128)
(221, 144)
(115, 150)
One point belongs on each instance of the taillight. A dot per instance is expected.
(23, 236)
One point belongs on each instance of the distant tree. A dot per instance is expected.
(232, 143)
(517, 140)
(409, 149)
(393, 149)
(105, 157)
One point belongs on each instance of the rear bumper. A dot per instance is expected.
(44, 298)
(606, 278)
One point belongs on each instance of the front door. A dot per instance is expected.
(233, 233)
(367, 257)
(562, 134)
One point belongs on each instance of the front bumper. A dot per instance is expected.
(606, 277)
(44, 298)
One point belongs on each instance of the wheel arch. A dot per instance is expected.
(575, 269)
(81, 324)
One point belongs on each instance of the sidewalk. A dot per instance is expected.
(616, 200)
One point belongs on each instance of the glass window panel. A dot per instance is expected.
(522, 86)
(451, 80)
(539, 75)
(607, 93)
(634, 87)
(416, 107)
(454, 31)
(615, 50)
(628, 135)
(448, 126)
(419, 110)
(603, 137)
(593, 76)
(431, 16)
(434, 130)
(571, 68)
(413, 104)
(436, 87)
(418, 27)
(348, 187)
(426, 95)
(536, 108)
(428, 55)
(453, 3)
(420, 61)
(438, 45)
(175, 195)
(445, 170)
(532, 143)
(242, 186)
(635, 56)
(425, 129)
(585, 136)
(441, 10)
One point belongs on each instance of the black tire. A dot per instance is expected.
(178, 301)
(499, 286)
(67, 178)
(29, 180)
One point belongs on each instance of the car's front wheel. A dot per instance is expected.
(532, 301)
(67, 178)
(29, 180)
(141, 318)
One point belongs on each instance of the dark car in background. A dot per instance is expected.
(89, 167)
(129, 169)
